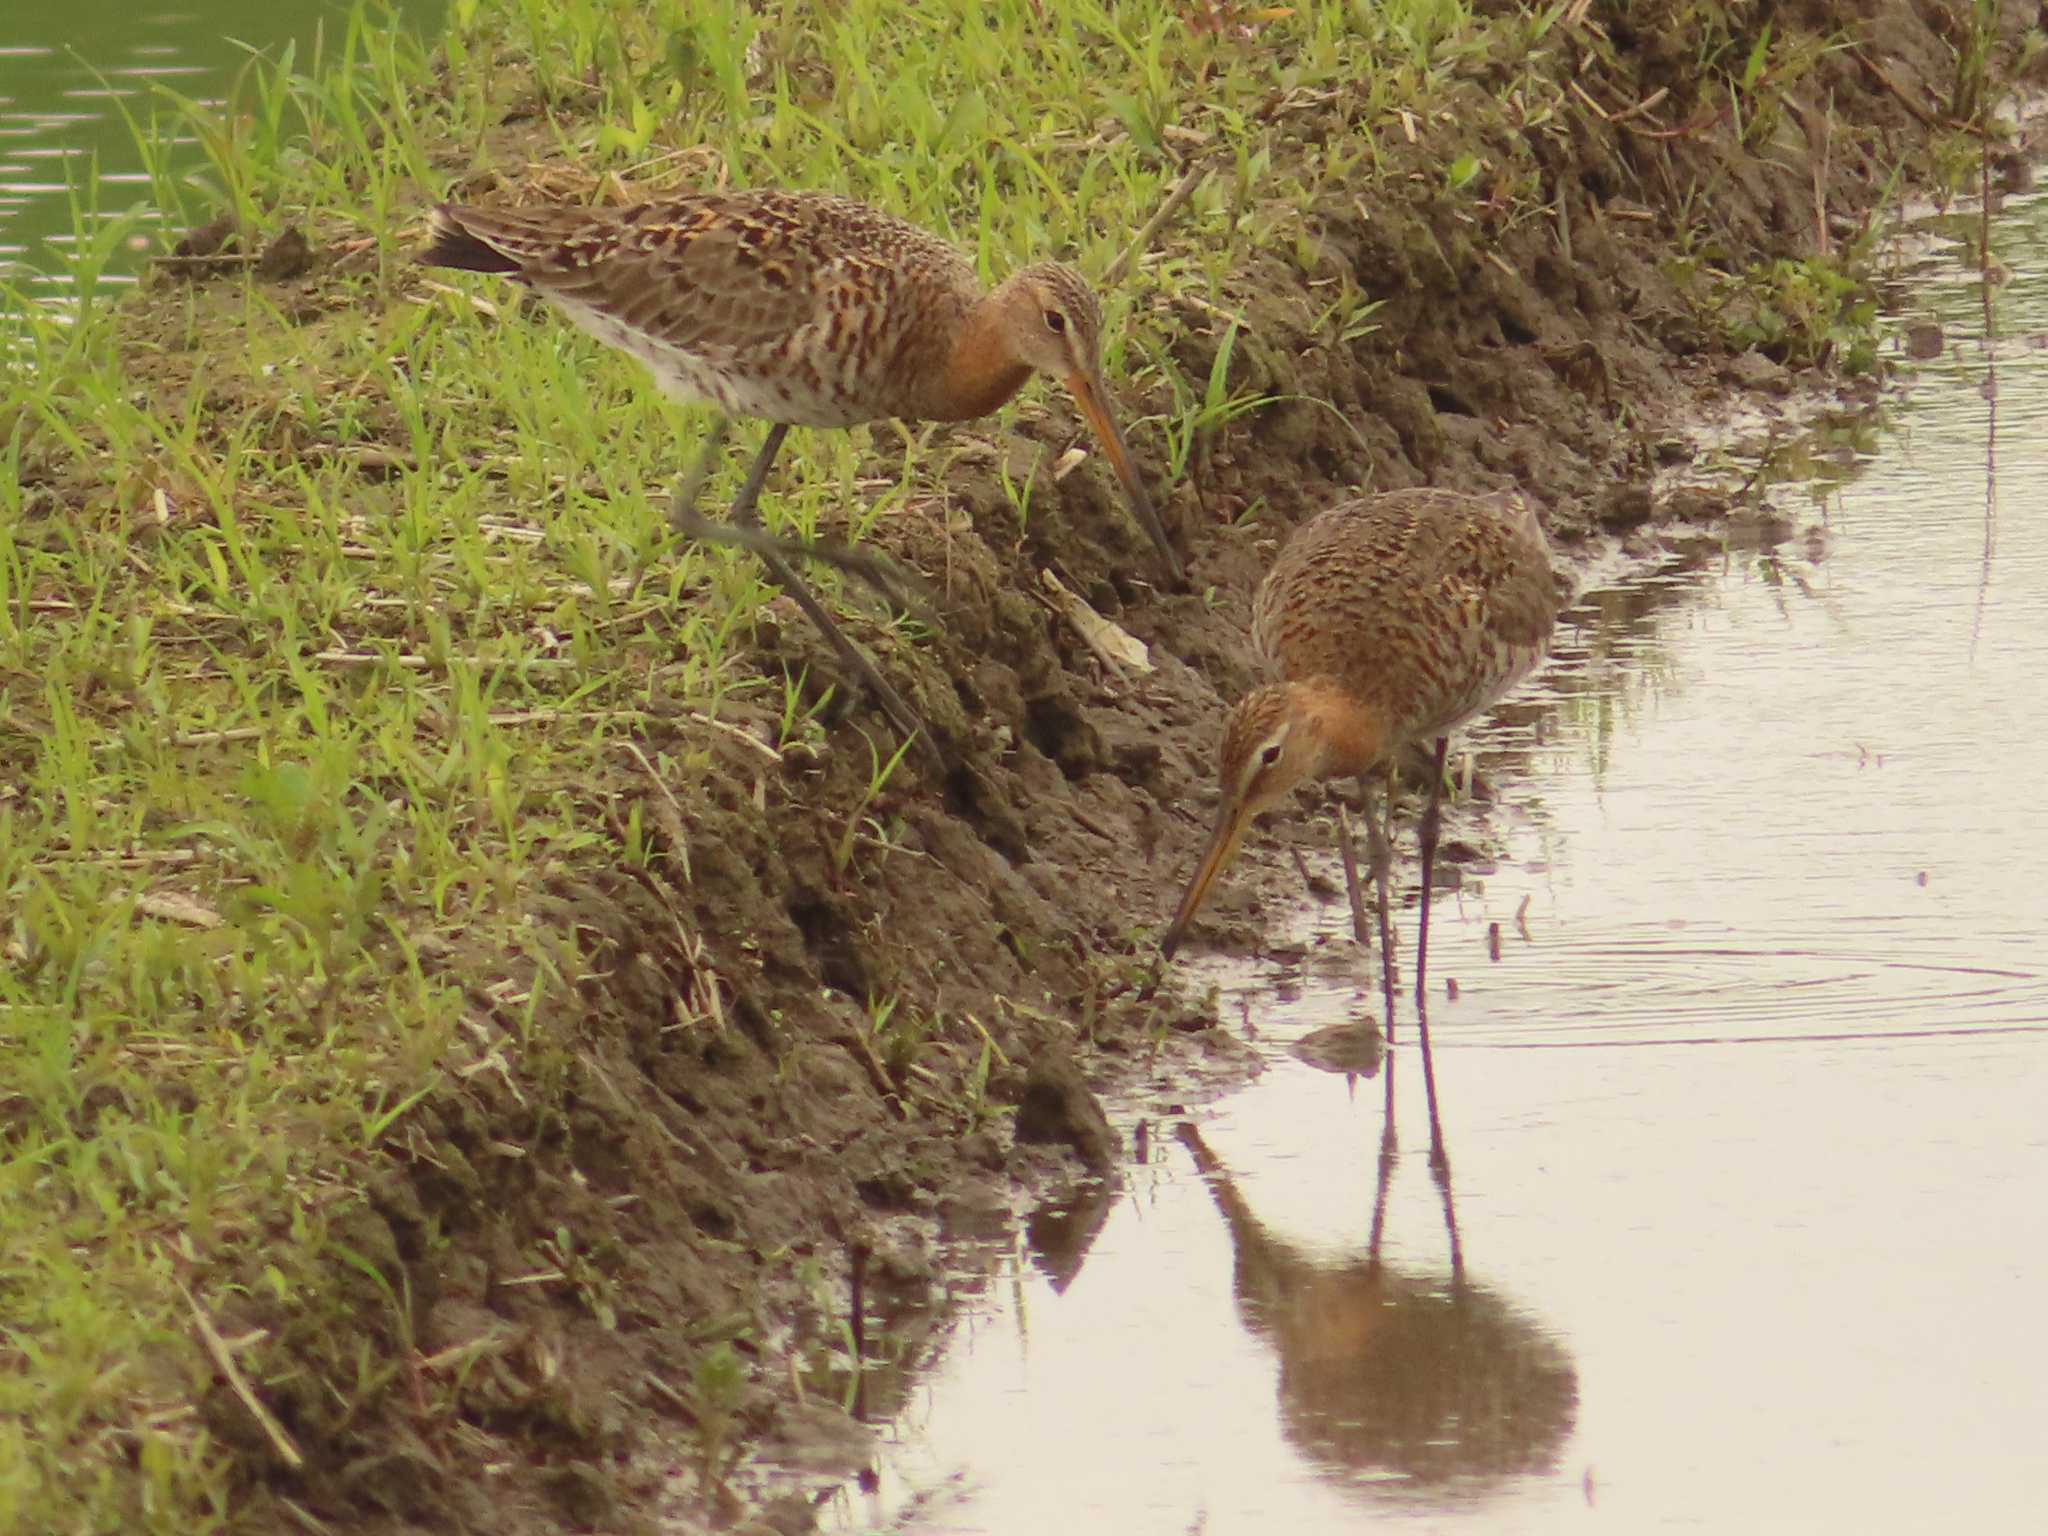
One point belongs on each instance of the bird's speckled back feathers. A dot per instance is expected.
(792, 306)
(1427, 605)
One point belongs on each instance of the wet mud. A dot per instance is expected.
(736, 1145)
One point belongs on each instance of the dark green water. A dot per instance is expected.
(69, 67)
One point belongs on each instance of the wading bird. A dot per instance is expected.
(1391, 619)
(801, 309)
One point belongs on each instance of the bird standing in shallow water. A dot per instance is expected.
(1391, 619)
(801, 309)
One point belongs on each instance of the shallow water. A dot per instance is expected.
(1747, 1123)
(69, 69)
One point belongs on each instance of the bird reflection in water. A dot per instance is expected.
(1429, 1378)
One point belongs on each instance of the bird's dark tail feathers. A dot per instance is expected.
(451, 243)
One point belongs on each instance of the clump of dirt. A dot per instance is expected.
(731, 1136)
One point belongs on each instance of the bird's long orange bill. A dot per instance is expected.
(1230, 825)
(1089, 395)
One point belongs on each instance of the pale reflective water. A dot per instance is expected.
(73, 73)
(1747, 1123)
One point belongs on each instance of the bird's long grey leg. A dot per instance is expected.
(1390, 1152)
(901, 714)
(1432, 821)
(1439, 1157)
(745, 532)
(682, 508)
(1380, 840)
(743, 504)
(1353, 887)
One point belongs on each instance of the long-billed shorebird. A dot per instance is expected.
(1391, 619)
(801, 309)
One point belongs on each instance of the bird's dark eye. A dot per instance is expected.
(1270, 756)
(1055, 322)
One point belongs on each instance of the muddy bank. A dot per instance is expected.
(794, 1040)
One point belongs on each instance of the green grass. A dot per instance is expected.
(330, 637)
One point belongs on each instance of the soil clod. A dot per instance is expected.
(1059, 1107)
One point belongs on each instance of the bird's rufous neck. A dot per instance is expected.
(1348, 730)
(981, 372)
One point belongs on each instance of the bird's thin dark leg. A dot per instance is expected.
(878, 572)
(1441, 1167)
(1432, 820)
(743, 504)
(901, 714)
(1390, 1151)
(1439, 1158)
(1380, 840)
(1353, 886)
(887, 578)
(682, 508)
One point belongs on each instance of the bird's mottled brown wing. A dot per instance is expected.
(1429, 604)
(773, 302)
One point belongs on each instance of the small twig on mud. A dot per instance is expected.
(203, 263)
(1698, 125)
(193, 738)
(1579, 91)
(483, 307)
(1182, 190)
(1088, 823)
(1925, 118)
(864, 1049)
(738, 733)
(671, 1396)
(133, 860)
(561, 716)
(1648, 103)
(668, 818)
(996, 1052)
(1309, 882)
(1196, 301)
(1621, 119)
(416, 663)
(633, 748)
(1820, 175)
(217, 1347)
(305, 1518)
